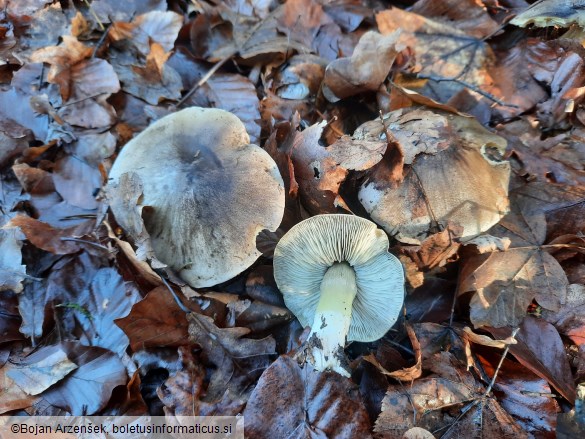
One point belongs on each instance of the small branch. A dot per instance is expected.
(468, 85)
(95, 17)
(101, 40)
(205, 78)
(506, 349)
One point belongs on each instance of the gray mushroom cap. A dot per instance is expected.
(209, 191)
(304, 254)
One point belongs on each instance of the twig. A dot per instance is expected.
(468, 85)
(507, 348)
(96, 18)
(95, 244)
(101, 40)
(205, 78)
(482, 398)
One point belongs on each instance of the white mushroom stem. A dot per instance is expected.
(332, 318)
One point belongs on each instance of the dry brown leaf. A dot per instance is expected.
(506, 282)
(470, 16)
(238, 360)
(526, 66)
(320, 171)
(62, 59)
(441, 51)
(541, 350)
(308, 403)
(48, 238)
(367, 68)
(158, 27)
(525, 396)
(12, 271)
(437, 249)
(408, 373)
(486, 341)
(12, 397)
(155, 81)
(570, 319)
(43, 368)
(88, 388)
(155, 321)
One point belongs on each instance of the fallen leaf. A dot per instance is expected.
(12, 271)
(62, 60)
(152, 82)
(43, 368)
(367, 68)
(159, 27)
(526, 397)
(238, 360)
(442, 52)
(570, 318)
(541, 350)
(437, 249)
(155, 321)
(12, 397)
(306, 403)
(88, 388)
(506, 282)
(436, 404)
(108, 300)
(407, 373)
(57, 241)
(320, 171)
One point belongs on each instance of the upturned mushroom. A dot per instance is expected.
(336, 275)
(209, 192)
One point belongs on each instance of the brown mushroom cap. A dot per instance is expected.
(451, 174)
(209, 191)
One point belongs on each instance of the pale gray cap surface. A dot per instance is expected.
(304, 254)
(209, 190)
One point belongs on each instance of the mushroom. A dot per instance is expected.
(209, 192)
(454, 172)
(336, 275)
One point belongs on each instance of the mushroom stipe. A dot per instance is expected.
(336, 275)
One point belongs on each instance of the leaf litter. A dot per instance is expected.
(372, 111)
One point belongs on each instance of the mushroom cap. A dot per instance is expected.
(307, 250)
(210, 192)
(452, 175)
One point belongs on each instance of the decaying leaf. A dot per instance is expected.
(525, 396)
(63, 59)
(570, 318)
(541, 350)
(12, 272)
(155, 321)
(159, 27)
(320, 171)
(506, 282)
(37, 372)
(57, 241)
(238, 360)
(306, 402)
(88, 388)
(367, 68)
(443, 52)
